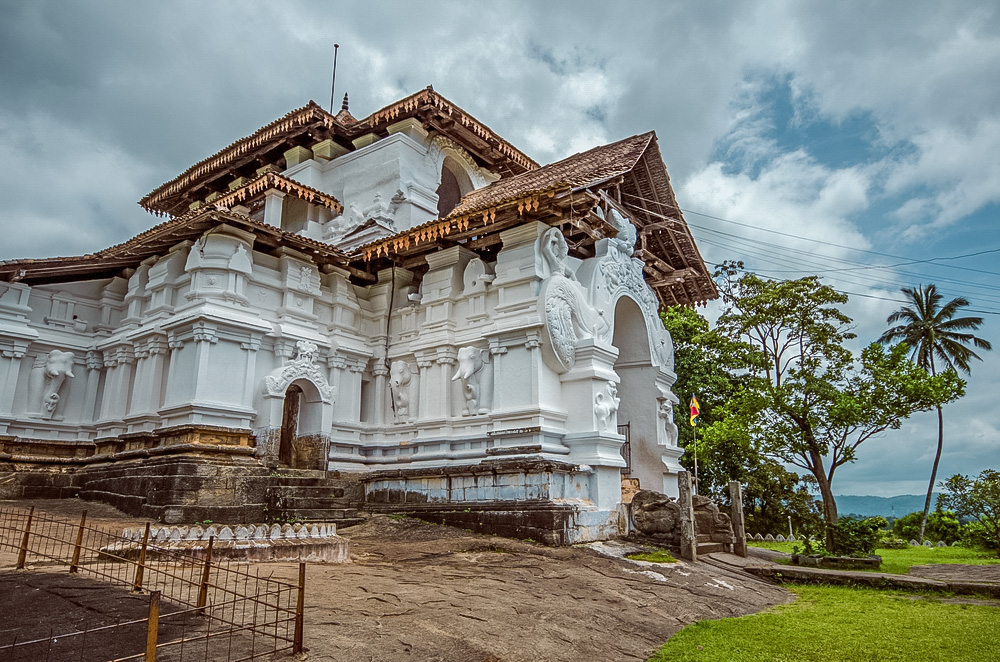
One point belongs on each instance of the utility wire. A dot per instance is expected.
(779, 256)
(908, 260)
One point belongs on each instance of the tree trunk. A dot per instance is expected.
(930, 488)
(829, 510)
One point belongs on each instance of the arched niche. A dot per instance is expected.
(303, 426)
(455, 183)
(637, 390)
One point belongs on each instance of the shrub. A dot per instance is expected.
(855, 537)
(977, 499)
(975, 536)
(941, 525)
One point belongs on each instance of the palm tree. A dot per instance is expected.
(933, 332)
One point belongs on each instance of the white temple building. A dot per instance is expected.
(405, 299)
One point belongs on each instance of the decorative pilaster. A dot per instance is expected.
(95, 365)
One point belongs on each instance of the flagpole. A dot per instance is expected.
(694, 433)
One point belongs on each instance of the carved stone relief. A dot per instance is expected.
(606, 406)
(665, 410)
(400, 376)
(303, 367)
(472, 363)
(46, 379)
(569, 317)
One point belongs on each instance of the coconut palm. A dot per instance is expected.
(938, 340)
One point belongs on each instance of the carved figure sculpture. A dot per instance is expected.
(569, 316)
(656, 515)
(45, 382)
(555, 251)
(471, 361)
(659, 516)
(606, 405)
(708, 520)
(665, 410)
(400, 376)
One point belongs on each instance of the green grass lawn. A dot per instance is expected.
(898, 561)
(829, 623)
(656, 556)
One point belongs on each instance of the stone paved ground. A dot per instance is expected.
(415, 591)
(949, 572)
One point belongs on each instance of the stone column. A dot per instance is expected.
(150, 355)
(736, 514)
(273, 201)
(381, 372)
(425, 405)
(689, 535)
(446, 360)
(95, 363)
(118, 359)
(250, 381)
(10, 368)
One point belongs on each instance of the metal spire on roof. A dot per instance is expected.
(344, 105)
(333, 83)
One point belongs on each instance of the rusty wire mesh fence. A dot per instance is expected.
(197, 607)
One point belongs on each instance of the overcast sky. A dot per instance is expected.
(801, 137)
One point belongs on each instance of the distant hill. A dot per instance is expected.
(870, 506)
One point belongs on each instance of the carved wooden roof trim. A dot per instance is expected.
(309, 114)
(274, 181)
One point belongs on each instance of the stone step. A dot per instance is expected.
(305, 481)
(311, 491)
(289, 501)
(710, 547)
(320, 514)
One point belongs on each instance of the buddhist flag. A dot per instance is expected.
(695, 410)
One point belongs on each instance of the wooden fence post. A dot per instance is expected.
(736, 515)
(152, 626)
(203, 587)
(74, 565)
(300, 605)
(689, 534)
(23, 551)
(140, 568)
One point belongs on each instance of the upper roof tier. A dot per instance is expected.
(310, 124)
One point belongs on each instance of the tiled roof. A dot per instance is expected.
(308, 114)
(312, 117)
(156, 241)
(580, 170)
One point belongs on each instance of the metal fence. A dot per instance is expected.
(198, 608)
(626, 447)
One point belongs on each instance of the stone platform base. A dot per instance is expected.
(526, 498)
(316, 543)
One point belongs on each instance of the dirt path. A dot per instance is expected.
(415, 591)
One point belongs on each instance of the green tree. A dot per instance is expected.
(932, 330)
(816, 403)
(940, 525)
(714, 367)
(977, 499)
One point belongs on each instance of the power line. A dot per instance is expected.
(908, 260)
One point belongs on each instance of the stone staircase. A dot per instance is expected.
(706, 546)
(295, 495)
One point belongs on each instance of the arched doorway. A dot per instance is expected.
(289, 425)
(637, 390)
